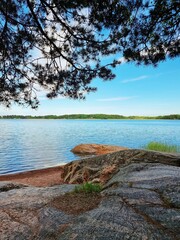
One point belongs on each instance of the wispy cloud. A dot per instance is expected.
(115, 99)
(122, 60)
(135, 79)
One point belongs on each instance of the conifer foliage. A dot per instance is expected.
(59, 44)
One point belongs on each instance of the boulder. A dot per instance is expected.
(95, 149)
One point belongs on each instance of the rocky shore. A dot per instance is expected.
(140, 200)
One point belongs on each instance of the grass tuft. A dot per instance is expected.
(162, 147)
(88, 188)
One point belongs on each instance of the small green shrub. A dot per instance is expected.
(88, 188)
(162, 147)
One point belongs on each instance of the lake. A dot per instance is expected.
(34, 144)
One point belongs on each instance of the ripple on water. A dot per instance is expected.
(33, 144)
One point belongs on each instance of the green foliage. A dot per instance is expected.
(88, 188)
(172, 116)
(68, 36)
(162, 147)
(93, 116)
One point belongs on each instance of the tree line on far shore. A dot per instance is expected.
(91, 116)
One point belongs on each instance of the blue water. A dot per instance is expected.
(34, 144)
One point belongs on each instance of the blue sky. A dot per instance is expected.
(135, 91)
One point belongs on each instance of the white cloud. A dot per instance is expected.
(41, 94)
(135, 79)
(115, 99)
(122, 60)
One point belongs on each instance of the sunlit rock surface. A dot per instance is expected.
(141, 200)
(95, 149)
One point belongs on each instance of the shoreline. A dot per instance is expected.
(39, 177)
(79, 119)
(95, 116)
(52, 176)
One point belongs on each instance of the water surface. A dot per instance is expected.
(34, 144)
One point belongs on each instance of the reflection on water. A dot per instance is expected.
(32, 144)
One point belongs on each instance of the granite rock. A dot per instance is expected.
(95, 149)
(141, 200)
(102, 168)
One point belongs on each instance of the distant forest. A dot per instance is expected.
(91, 116)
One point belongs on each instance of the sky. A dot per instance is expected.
(136, 90)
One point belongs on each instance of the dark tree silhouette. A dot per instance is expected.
(59, 45)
